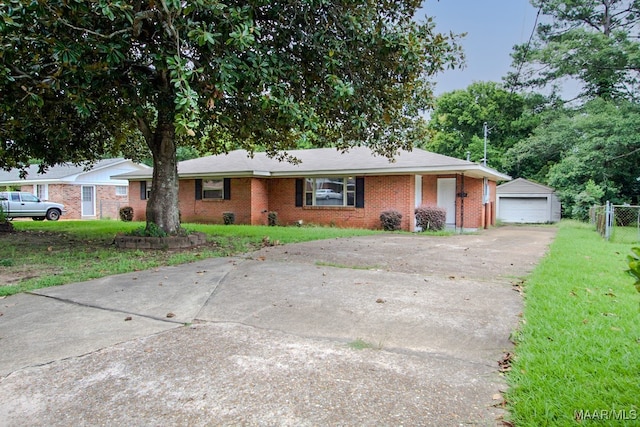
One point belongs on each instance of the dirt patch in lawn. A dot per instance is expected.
(26, 255)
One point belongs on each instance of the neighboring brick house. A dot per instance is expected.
(85, 193)
(328, 187)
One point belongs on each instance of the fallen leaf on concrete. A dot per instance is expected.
(380, 301)
(126, 319)
(504, 364)
(171, 315)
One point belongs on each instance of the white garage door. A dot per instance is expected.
(523, 209)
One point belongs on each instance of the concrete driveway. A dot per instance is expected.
(378, 330)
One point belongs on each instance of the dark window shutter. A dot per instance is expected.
(143, 190)
(360, 192)
(198, 189)
(227, 188)
(299, 192)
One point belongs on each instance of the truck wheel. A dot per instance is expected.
(38, 218)
(53, 214)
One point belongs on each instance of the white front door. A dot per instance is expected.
(447, 198)
(88, 201)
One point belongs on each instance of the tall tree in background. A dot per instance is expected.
(594, 42)
(458, 119)
(586, 152)
(82, 78)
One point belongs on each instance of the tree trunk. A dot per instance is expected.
(162, 206)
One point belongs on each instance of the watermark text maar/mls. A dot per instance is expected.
(606, 414)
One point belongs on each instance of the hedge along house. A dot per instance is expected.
(328, 187)
(86, 192)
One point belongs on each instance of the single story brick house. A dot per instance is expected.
(328, 187)
(86, 193)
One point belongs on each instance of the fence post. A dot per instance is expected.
(608, 220)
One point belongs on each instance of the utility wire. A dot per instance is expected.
(526, 49)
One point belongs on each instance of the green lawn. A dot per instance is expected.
(42, 254)
(577, 359)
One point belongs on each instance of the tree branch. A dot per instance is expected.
(85, 30)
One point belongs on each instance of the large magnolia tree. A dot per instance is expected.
(79, 79)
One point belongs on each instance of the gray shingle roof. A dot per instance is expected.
(57, 172)
(325, 161)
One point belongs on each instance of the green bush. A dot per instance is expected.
(272, 218)
(634, 266)
(151, 230)
(431, 218)
(126, 214)
(391, 220)
(229, 218)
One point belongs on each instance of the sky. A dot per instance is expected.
(493, 27)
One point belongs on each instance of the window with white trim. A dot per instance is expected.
(42, 191)
(122, 190)
(330, 191)
(213, 189)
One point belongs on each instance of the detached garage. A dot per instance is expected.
(523, 201)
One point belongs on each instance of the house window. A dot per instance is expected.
(212, 189)
(330, 191)
(121, 190)
(42, 191)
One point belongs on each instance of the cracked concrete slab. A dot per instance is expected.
(392, 329)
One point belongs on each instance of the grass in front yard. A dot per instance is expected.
(42, 254)
(577, 359)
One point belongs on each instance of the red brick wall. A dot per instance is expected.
(472, 206)
(139, 206)
(259, 201)
(380, 193)
(252, 198)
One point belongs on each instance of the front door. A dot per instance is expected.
(88, 201)
(447, 198)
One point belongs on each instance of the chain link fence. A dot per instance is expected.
(617, 223)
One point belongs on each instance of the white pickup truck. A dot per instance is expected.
(18, 204)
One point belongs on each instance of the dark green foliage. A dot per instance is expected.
(228, 218)
(457, 121)
(272, 218)
(126, 213)
(151, 230)
(79, 80)
(391, 220)
(588, 155)
(431, 218)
